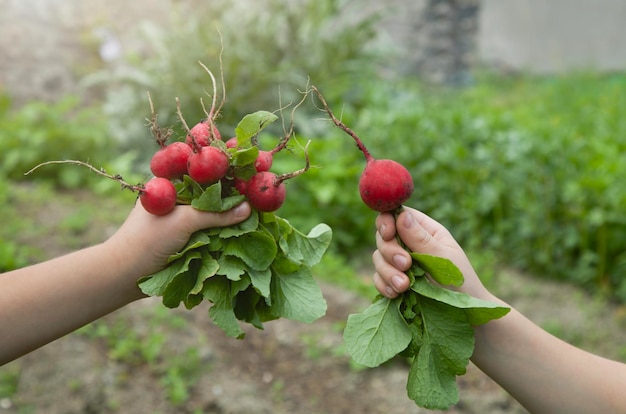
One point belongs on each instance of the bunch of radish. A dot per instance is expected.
(239, 164)
(255, 271)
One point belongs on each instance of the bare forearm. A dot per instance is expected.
(545, 374)
(45, 301)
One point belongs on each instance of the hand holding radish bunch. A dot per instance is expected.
(253, 271)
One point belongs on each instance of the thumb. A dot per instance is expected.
(418, 233)
(198, 220)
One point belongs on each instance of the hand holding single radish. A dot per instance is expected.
(416, 317)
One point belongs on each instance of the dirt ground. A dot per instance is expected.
(289, 367)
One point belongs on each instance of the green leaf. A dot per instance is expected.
(187, 190)
(261, 279)
(218, 291)
(308, 249)
(478, 311)
(257, 249)
(447, 345)
(156, 284)
(377, 334)
(250, 125)
(211, 200)
(178, 289)
(224, 316)
(244, 156)
(297, 296)
(197, 240)
(440, 269)
(231, 266)
(246, 226)
(207, 268)
(246, 307)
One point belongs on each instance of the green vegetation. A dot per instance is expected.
(145, 342)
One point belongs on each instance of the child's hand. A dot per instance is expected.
(148, 240)
(421, 234)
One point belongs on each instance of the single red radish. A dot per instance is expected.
(171, 160)
(241, 185)
(231, 142)
(264, 161)
(266, 191)
(158, 196)
(202, 135)
(208, 165)
(384, 184)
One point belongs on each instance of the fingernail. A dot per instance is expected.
(241, 210)
(390, 292)
(409, 221)
(397, 282)
(381, 229)
(399, 261)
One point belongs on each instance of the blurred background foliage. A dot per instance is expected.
(529, 169)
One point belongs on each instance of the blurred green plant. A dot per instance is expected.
(529, 168)
(39, 131)
(147, 342)
(267, 51)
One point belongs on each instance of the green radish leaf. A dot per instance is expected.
(208, 268)
(250, 125)
(307, 249)
(477, 311)
(257, 249)
(264, 310)
(244, 157)
(197, 240)
(187, 189)
(218, 291)
(246, 307)
(223, 315)
(211, 200)
(178, 289)
(240, 285)
(246, 226)
(156, 284)
(297, 296)
(378, 334)
(260, 280)
(440, 269)
(447, 345)
(231, 266)
(192, 301)
(232, 201)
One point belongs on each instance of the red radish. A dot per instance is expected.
(202, 135)
(231, 143)
(266, 191)
(384, 184)
(171, 160)
(208, 165)
(241, 185)
(264, 161)
(158, 196)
